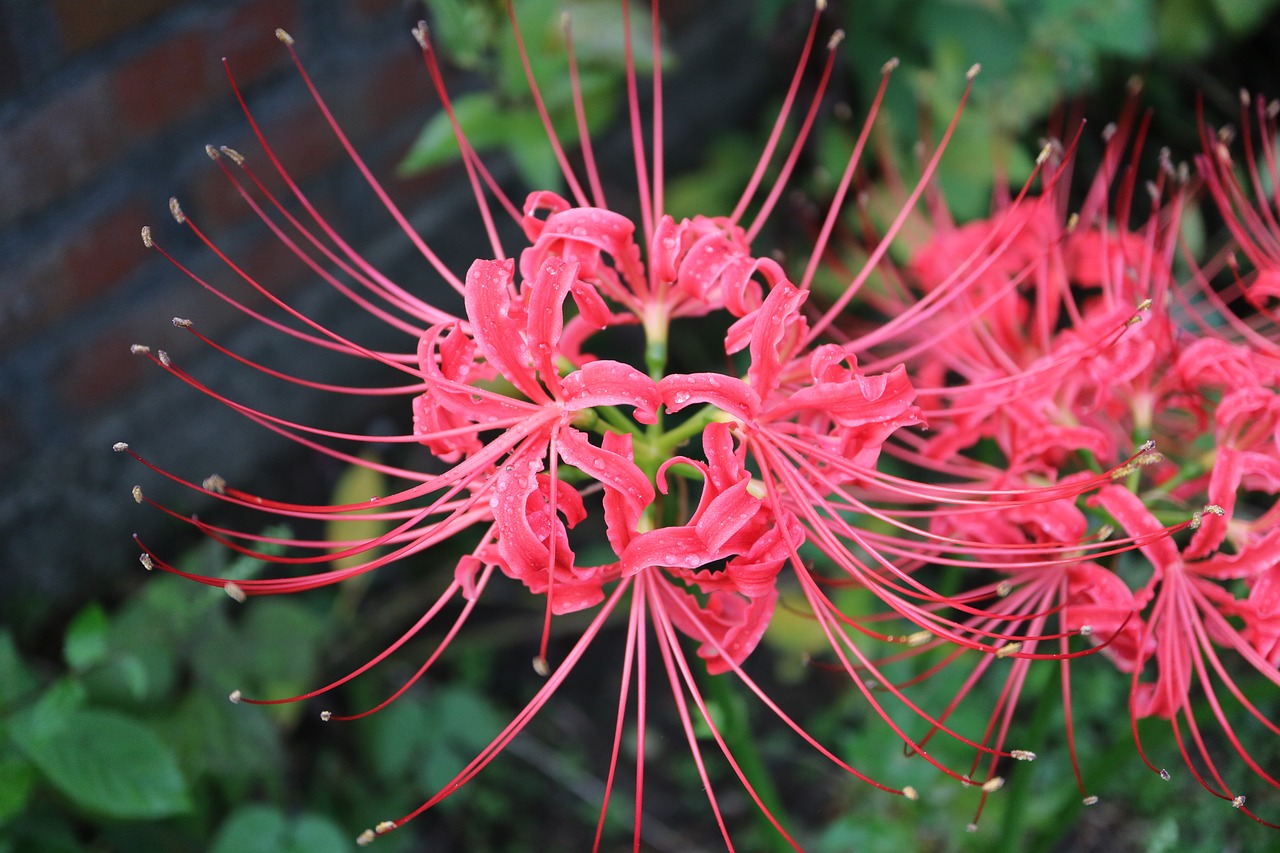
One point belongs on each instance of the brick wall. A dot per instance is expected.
(107, 107)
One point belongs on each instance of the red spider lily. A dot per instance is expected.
(534, 430)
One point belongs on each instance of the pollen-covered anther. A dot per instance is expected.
(972, 827)
(821, 5)
(365, 838)
(182, 322)
(974, 70)
(1023, 755)
(910, 793)
(1003, 589)
(235, 697)
(1134, 320)
(919, 638)
(120, 447)
(1152, 458)
(836, 38)
(147, 562)
(1123, 471)
(1086, 630)
(1104, 532)
(137, 494)
(326, 716)
(1273, 109)
(284, 37)
(215, 483)
(889, 66)
(1044, 154)
(1109, 131)
(1072, 221)
(175, 210)
(420, 34)
(1008, 649)
(1238, 802)
(164, 357)
(385, 827)
(1145, 305)
(995, 783)
(211, 152)
(139, 349)
(541, 666)
(235, 592)
(1091, 800)
(146, 236)
(232, 154)
(1214, 509)
(1165, 775)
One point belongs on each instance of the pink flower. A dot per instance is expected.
(1021, 330)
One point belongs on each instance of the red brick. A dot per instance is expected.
(249, 42)
(400, 89)
(62, 276)
(85, 23)
(13, 439)
(377, 8)
(32, 297)
(57, 147)
(101, 372)
(166, 83)
(105, 251)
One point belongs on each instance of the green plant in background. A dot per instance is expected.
(475, 37)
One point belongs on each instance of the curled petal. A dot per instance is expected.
(1261, 612)
(627, 491)
(776, 329)
(858, 401)
(1129, 510)
(546, 317)
(1099, 600)
(735, 622)
(612, 383)
(724, 392)
(527, 525)
(499, 336)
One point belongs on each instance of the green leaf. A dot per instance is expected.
(357, 484)
(16, 681)
(481, 120)
(17, 780)
(258, 829)
(104, 762)
(86, 641)
(1241, 16)
(463, 29)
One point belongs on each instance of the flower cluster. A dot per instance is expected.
(1047, 354)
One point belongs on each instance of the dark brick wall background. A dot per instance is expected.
(105, 109)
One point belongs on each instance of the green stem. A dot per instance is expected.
(736, 731)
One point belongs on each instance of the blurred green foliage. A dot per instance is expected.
(475, 36)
